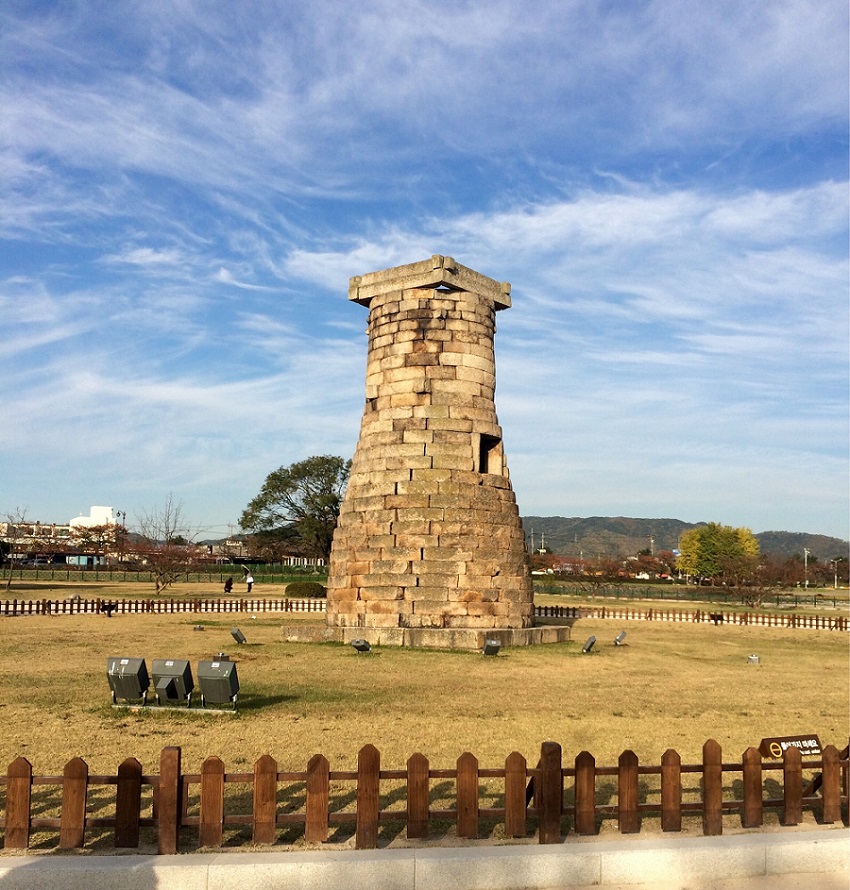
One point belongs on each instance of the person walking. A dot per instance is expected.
(249, 580)
(228, 585)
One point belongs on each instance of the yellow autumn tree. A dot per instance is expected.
(718, 553)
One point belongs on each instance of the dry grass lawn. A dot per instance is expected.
(671, 686)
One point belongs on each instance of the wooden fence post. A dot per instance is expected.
(418, 792)
(467, 795)
(368, 797)
(72, 822)
(585, 790)
(627, 793)
(318, 795)
(792, 769)
(671, 791)
(753, 813)
(211, 822)
(18, 801)
(831, 787)
(515, 806)
(265, 800)
(128, 803)
(551, 793)
(712, 788)
(169, 800)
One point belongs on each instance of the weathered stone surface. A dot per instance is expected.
(429, 535)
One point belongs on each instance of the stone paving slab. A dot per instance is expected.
(811, 860)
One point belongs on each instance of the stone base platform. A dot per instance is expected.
(430, 637)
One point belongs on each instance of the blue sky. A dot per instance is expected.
(188, 186)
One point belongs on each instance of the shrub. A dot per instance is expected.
(304, 589)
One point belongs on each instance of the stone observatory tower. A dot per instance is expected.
(429, 549)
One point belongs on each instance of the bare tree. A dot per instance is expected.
(15, 532)
(164, 543)
(598, 572)
(96, 540)
(762, 581)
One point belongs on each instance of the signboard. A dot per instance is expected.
(809, 746)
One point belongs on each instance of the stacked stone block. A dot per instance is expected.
(429, 534)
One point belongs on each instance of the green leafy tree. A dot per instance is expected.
(718, 553)
(306, 497)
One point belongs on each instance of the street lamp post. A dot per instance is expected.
(806, 567)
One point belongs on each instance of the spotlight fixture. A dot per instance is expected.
(361, 645)
(128, 679)
(238, 635)
(172, 680)
(491, 647)
(618, 640)
(219, 682)
(588, 645)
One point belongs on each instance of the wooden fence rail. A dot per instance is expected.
(80, 606)
(552, 797)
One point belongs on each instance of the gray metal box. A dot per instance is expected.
(128, 678)
(218, 681)
(172, 680)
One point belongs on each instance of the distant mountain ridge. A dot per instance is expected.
(622, 536)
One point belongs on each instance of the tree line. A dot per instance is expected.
(297, 508)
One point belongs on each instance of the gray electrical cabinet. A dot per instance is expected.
(218, 682)
(172, 680)
(128, 678)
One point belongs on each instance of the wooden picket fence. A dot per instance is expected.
(186, 809)
(80, 606)
(699, 616)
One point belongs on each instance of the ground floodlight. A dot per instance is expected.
(362, 645)
(218, 682)
(172, 680)
(618, 640)
(238, 635)
(589, 643)
(491, 647)
(128, 679)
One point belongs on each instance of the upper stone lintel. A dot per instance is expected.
(432, 273)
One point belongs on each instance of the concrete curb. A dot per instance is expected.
(663, 862)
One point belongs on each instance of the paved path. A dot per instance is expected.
(802, 881)
(789, 860)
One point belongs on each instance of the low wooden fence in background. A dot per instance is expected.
(758, 619)
(793, 598)
(80, 606)
(159, 606)
(550, 798)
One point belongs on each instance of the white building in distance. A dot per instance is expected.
(99, 516)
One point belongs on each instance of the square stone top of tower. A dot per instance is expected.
(438, 271)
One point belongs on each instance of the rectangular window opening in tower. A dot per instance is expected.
(490, 455)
